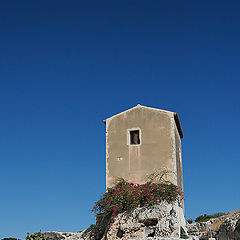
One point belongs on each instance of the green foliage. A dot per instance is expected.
(183, 233)
(35, 236)
(126, 196)
(190, 221)
(203, 218)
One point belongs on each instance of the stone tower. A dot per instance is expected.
(141, 140)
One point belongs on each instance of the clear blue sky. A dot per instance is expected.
(67, 65)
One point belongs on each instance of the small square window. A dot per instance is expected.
(134, 137)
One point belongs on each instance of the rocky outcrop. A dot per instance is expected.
(79, 236)
(63, 235)
(222, 228)
(161, 222)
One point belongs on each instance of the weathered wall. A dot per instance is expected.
(178, 158)
(156, 150)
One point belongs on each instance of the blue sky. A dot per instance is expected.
(67, 65)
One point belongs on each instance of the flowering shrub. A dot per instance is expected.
(126, 196)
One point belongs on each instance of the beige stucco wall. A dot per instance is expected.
(157, 149)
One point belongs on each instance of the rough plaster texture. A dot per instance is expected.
(159, 148)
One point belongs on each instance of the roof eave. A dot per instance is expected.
(178, 124)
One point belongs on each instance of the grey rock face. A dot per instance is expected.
(227, 229)
(54, 236)
(198, 229)
(162, 222)
(62, 235)
(229, 224)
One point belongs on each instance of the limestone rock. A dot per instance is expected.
(54, 236)
(198, 229)
(227, 230)
(62, 235)
(229, 224)
(162, 221)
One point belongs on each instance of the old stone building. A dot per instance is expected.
(141, 140)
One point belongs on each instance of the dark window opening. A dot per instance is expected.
(134, 137)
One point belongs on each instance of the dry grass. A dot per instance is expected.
(215, 226)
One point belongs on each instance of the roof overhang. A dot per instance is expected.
(178, 124)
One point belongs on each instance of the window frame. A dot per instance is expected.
(129, 136)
